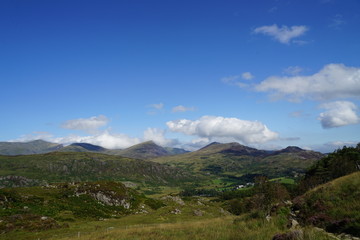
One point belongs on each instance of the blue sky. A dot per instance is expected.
(267, 74)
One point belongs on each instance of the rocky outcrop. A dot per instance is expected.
(175, 199)
(18, 181)
(106, 195)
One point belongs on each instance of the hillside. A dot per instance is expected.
(235, 161)
(83, 147)
(337, 164)
(145, 150)
(334, 206)
(42, 208)
(24, 148)
(80, 166)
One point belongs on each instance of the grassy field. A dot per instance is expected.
(284, 180)
(214, 229)
(145, 227)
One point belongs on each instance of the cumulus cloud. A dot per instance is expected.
(182, 108)
(213, 127)
(332, 81)
(104, 139)
(158, 136)
(89, 125)
(283, 34)
(339, 113)
(33, 136)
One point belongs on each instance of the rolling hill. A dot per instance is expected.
(89, 166)
(334, 206)
(83, 147)
(145, 150)
(233, 160)
(24, 148)
(337, 164)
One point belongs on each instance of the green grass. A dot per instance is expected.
(162, 215)
(334, 205)
(80, 166)
(214, 229)
(217, 166)
(283, 180)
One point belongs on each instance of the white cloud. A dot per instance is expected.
(235, 79)
(247, 76)
(157, 106)
(33, 136)
(283, 34)
(293, 70)
(212, 127)
(158, 136)
(182, 108)
(104, 139)
(89, 125)
(332, 81)
(339, 113)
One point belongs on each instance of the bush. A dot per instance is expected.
(154, 203)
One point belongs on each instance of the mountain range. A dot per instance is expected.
(89, 166)
(230, 163)
(32, 147)
(233, 160)
(143, 150)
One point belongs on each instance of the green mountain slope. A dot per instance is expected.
(339, 163)
(42, 208)
(334, 206)
(80, 166)
(32, 147)
(235, 160)
(83, 147)
(146, 150)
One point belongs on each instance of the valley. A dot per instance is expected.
(221, 191)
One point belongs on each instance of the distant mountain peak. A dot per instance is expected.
(144, 150)
(88, 146)
(31, 147)
(150, 142)
(230, 148)
(210, 145)
(38, 141)
(292, 149)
